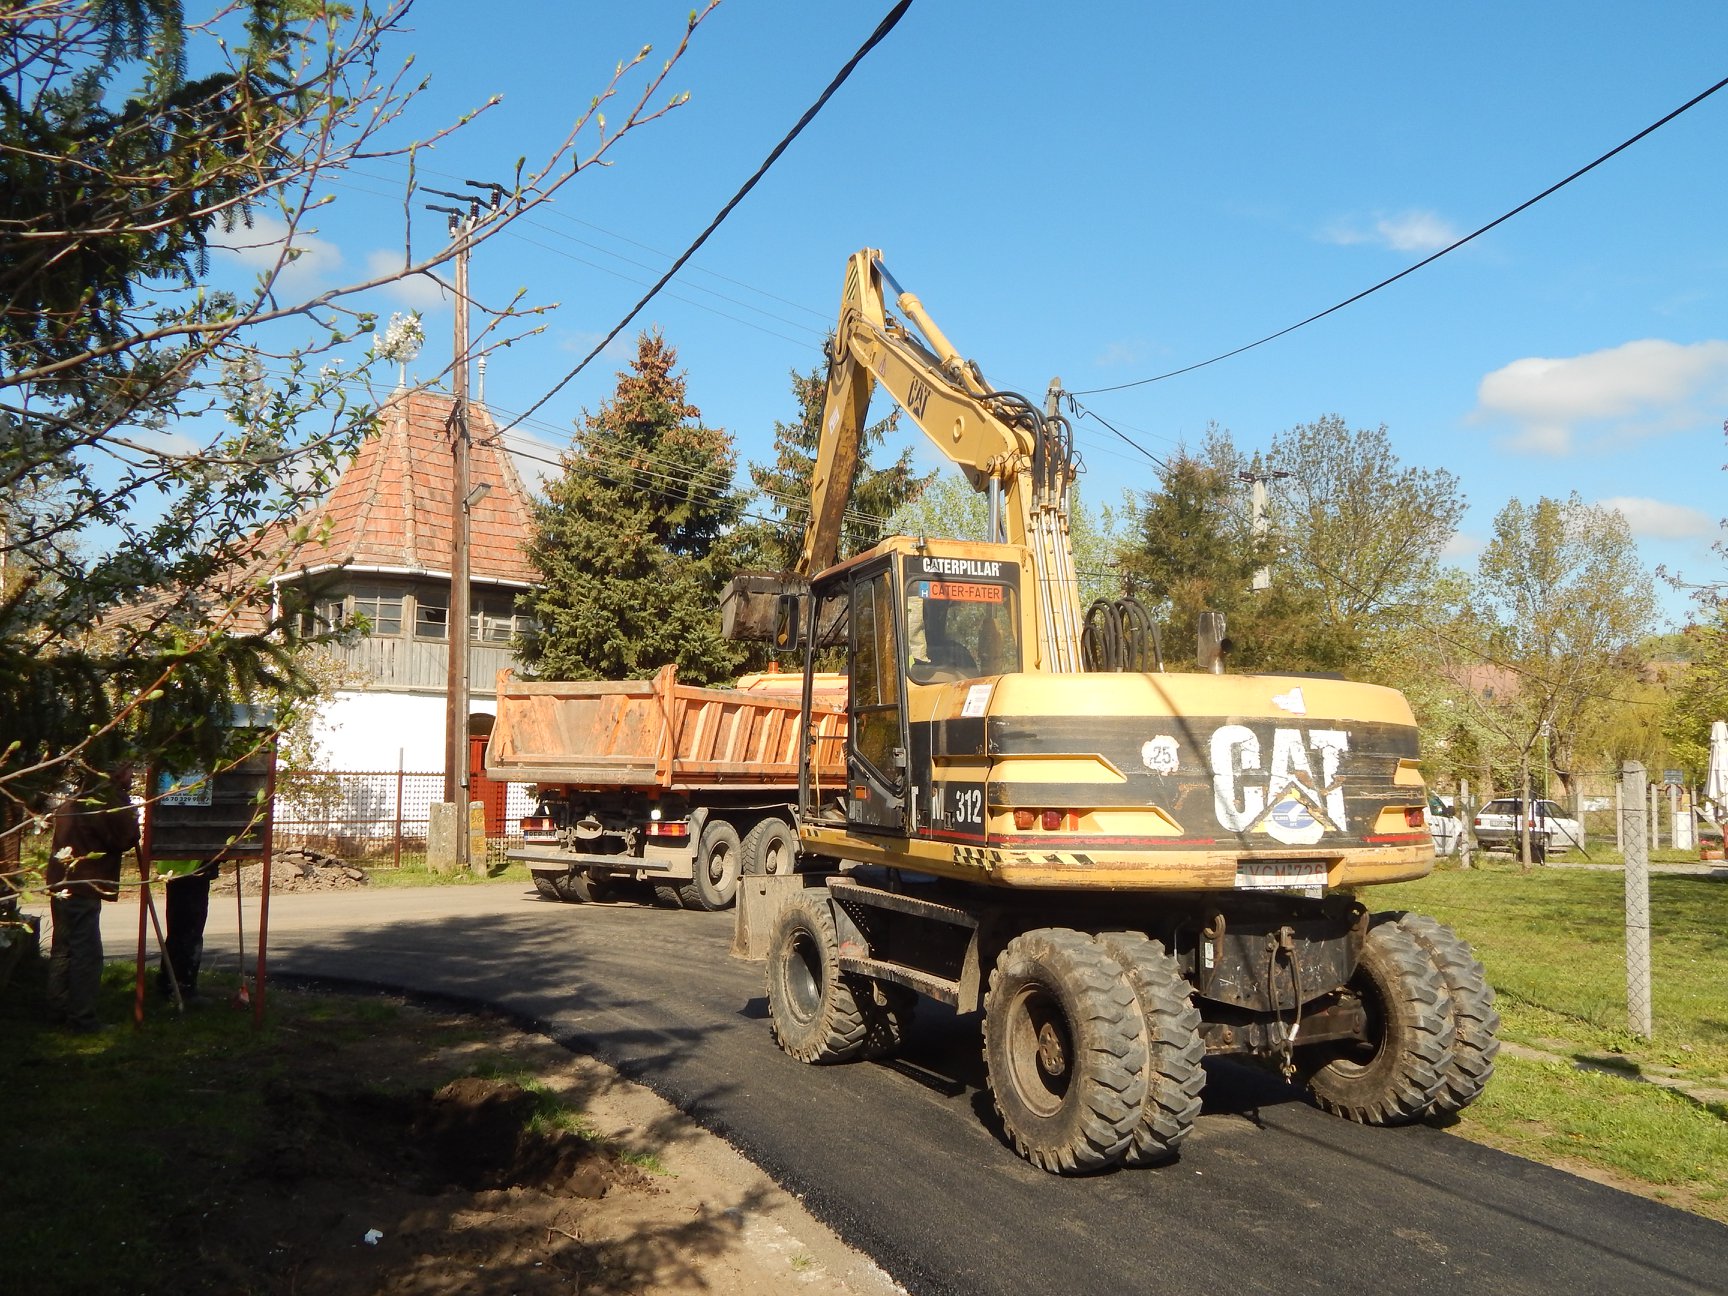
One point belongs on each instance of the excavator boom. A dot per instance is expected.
(1000, 440)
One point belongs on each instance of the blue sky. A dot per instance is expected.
(1108, 191)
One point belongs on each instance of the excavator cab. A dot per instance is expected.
(914, 617)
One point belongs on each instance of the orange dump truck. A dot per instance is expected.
(682, 787)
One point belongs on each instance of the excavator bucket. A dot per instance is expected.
(754, 608)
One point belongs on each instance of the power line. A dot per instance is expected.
(887, 25)
(1428, 260)
(1085, 413)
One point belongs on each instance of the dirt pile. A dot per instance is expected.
(295, 870)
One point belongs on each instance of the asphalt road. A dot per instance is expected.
(904, 1161)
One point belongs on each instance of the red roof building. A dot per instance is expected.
(393, 511)
(381, 554)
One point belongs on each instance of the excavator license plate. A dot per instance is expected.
(1281, 875)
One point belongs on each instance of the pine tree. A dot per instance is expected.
(1192, 551)
(634, 539)
(784, 486)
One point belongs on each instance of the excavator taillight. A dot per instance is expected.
(1413, 816)
(1048, 820)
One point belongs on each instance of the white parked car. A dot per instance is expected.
(1444, 826)
(1497, 826)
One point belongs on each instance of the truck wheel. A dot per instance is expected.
(1064, 1051)
(547, 885)
(1174, 1049)
(592, 886)
(718, 857)
(668, 895)
(770, 848)
(1470, 1002)
(1393, 1076)
(815, 1010)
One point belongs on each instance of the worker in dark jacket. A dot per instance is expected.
(92, 831)
(187, 910)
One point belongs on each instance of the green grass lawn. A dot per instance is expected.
(1553, 943)
(413, 872)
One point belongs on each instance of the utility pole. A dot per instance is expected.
(463, 224)
(1260, 524)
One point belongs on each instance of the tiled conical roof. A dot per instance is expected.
(393, 505)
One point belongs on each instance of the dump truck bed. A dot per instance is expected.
(660, 733)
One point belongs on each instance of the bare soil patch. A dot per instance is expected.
(380, 1178)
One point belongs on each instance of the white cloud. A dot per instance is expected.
(1635, 389)
(417, 292)
(1116, 355)
(1461, 547)
(160, 441)
(1662, 521)
(266, 244)
(1410, 231)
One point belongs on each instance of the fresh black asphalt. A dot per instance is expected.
(904, 1161)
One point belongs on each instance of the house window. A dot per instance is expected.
(495, 620)
(431, 621)
(322, 616)
(382, 609)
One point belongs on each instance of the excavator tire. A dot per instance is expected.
(817, 1012)
(770, 848)
(888, 1012)
(1174, 1076)
(1394, 1076)
(719, 856)
(1470, 1001)
(1065, 1051)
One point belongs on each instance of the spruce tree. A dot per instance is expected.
(633, 540)
(773, 542)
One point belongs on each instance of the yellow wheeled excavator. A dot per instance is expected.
(1127, 867)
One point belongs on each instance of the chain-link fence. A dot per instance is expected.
(1623, 932)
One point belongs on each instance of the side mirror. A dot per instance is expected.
(786, 621)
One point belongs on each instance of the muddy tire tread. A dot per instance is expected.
(839, 1030)
(1399, 1082)
(1475, 1021)
(1095, 1125)
(1175, 1051)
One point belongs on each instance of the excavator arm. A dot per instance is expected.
(1002, 442)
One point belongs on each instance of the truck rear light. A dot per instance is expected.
(668, 828)
(537, 824)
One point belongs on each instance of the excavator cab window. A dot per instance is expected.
(959, 630)
(875, 688)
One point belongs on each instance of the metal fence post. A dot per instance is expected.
(1640, 823)
(396, 849)
(1462, 809)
